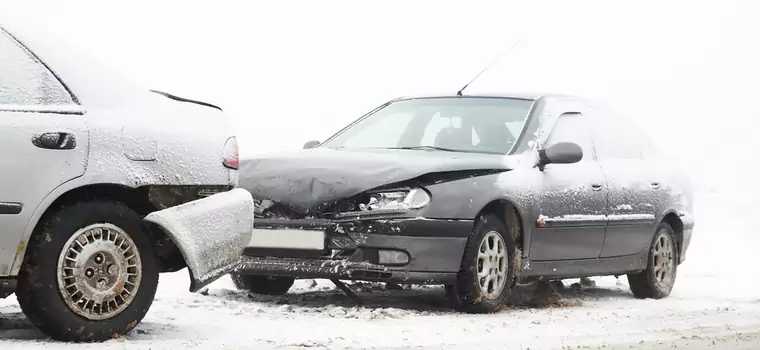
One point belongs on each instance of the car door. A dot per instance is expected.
(573, 199)
(44, 141)
(634, 187)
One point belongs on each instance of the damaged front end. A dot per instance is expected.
(374, 236)
(211, 233)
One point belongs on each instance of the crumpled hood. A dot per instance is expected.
(308, 180)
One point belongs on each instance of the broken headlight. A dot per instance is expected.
(414, 198)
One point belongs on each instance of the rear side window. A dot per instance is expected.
(617, 137)
(24, 81)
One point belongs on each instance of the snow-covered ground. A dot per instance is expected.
(715, 304)
(689, 74)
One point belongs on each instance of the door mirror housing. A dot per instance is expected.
(311, 144)
(560, 153)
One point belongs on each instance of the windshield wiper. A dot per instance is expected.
(436, 148)
(427, 147)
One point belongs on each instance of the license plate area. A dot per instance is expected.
(288, 239)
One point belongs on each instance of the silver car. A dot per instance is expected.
(104, 185)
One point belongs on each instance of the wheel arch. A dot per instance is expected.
(513, 218)
(672, 218)
(136, 198)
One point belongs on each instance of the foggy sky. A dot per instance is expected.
(291, 71)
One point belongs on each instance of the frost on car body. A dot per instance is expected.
(208, 257)
(92, 155)
(472, 191)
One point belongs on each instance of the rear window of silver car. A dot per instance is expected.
(24, 81)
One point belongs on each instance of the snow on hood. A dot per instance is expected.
(308, 180)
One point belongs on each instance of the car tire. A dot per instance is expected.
(487, 273)
(656, 282)
(268, 285)
(115, 282)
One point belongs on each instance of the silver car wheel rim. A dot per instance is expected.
(492, 265)
(663, 260)
(99, 271)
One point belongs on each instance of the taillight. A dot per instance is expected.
(230, 156)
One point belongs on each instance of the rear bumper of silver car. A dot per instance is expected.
(211, 233)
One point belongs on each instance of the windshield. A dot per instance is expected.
(462, 124)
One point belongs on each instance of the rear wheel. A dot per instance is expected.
(269, 285)
(657, 280)
(486, 277)
(90, 272)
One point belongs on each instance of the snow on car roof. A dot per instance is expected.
(516, 95)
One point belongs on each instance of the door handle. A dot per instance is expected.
(55, 140)
(596, 187)
(654, 185)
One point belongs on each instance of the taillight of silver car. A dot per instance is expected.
(230, 156)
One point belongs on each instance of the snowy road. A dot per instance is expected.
(715, 305)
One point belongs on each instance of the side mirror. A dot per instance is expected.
(560, 153)
(311, 144)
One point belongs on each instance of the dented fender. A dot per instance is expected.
(211, 233)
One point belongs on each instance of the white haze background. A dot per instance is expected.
(291, 71)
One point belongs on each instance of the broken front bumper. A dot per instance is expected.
(406, 250)
(211, 233)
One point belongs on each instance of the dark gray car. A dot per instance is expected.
(473, 192)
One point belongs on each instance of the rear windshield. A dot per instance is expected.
(24, 81)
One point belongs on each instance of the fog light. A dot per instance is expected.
(392, 257)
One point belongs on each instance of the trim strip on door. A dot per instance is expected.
(630, 219)
(568, 221)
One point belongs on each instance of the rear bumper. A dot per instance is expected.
(211, 233)
(353, 250)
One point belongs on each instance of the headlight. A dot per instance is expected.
(397, 200)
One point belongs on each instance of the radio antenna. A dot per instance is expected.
(510, 48)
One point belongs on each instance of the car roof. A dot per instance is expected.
(513, 95)
(93, 83)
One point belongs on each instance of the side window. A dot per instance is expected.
(24, 80)
(648, 149)
(573, 127)
(616, 137)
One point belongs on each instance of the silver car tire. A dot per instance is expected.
(90, 272)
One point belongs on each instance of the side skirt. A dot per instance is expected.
(584, 268)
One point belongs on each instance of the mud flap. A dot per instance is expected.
(211, 233)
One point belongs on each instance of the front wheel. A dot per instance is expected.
(486, 276)
(90, 272)
(658, 279)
